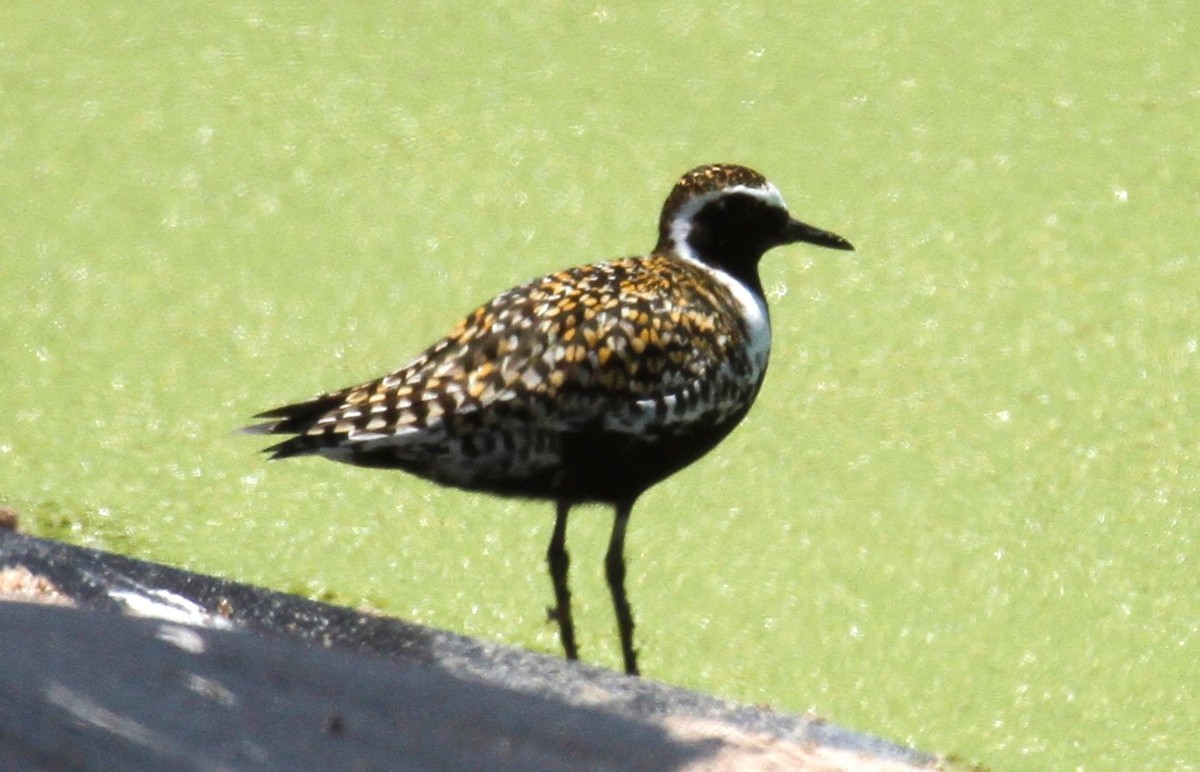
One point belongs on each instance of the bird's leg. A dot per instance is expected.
(559, 562)
(614, 570)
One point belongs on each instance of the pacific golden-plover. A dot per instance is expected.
(585, 386)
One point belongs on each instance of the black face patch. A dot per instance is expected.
(733, 231)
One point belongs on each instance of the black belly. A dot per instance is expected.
(595, 466)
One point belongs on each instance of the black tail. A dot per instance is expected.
(297, 418)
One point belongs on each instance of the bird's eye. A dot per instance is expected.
(729, 205)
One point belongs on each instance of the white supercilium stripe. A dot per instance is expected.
(752, 305)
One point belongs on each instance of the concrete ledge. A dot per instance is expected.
(197, 672)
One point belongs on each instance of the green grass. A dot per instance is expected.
(962, 514)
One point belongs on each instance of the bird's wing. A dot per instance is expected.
(625, 344)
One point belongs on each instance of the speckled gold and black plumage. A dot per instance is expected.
(587, 385)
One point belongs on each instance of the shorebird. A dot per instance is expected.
(585, 386)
